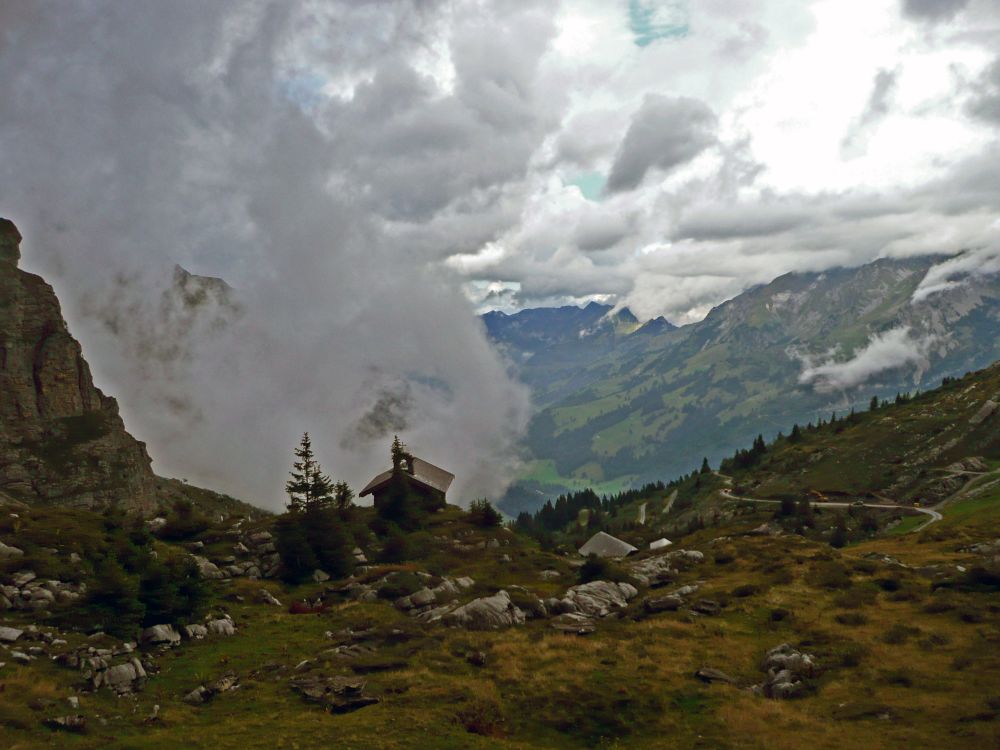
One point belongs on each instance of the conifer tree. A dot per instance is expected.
(308, 486)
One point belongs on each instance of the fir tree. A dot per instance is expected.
(309, 486)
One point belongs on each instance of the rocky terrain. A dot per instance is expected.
(61, 439)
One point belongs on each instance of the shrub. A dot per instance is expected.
(396, 547)
(901, 677)
(851, 618)
(888, 584)
(780, 615)
(184, 522)
(400, 584)
(483, 514)
(855, 598)
(831, 575)
(899, 633)
(597, 568)
(747, 589)
(482, 716)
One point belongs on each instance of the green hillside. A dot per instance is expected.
(654, 405)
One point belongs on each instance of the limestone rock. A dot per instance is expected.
(160, 635)
(600, 598)
(9, 635)
(222, 626)
(62, 440)
(8, 551)
(486, 613)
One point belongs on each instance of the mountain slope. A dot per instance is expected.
(790, 351)
(61, 439)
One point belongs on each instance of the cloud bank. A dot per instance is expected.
(886, 351)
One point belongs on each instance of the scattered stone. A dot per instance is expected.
(549, 575)
(21, 658)
(194, 632)
(23, 578)
(599, 598)
(669, 603)
(486, 613)
(125, 678)
(160, 635)
(320, 576)
(208, 569)
(73, 702)
(7, 551)
(710, 675)
(75, 723)
(222, 626)
(573, 623)
(787, 672)
(9, 635)
(266, 597)
(476, 658)
(708, 607)
(336, 694)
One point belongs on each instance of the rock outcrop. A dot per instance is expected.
(61, 439)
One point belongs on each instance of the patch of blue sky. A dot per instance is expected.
(651, 20)
(304, 88)
(591, 184)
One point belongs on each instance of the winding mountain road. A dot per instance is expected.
(934, 516)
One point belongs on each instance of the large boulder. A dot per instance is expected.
(486, 613)
(223, 626)
(8, 551)
(599, 598)
(788, 671)
(9, 635)
(208, 569)
(125, 678)
(160, 635)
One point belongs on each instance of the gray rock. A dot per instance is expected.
(669, 603)
(123, 678)
(23, 578)
(21, 658)
(194, 632)
(75, 723)
(9, 635)
(320, 576)
(160, 635)
(708, 607)
(600, 598)
(709, 674)
(549, 575)
(266, 597)
(573, 623)
(423, 598)
(221, 627)
(208, 569)
(486, 613)
(7, 551)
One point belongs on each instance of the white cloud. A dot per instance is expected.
(886, 351)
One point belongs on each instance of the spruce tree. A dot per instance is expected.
(309, 486)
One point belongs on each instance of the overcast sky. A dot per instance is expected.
(368, 175)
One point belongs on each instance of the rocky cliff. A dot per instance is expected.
(61, 439)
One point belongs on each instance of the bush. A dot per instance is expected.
(780, 615)
(400, 584)
(747, 589)
(597, 568)
(851, 618)
(831, 575)
(482, 716)
(184, 522)
(396, 548)
(310, 539)
(899, 634)
(483, 514)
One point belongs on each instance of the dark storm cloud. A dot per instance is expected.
(665, 133)
(140, 135)
(985, 102)
(933, 10)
